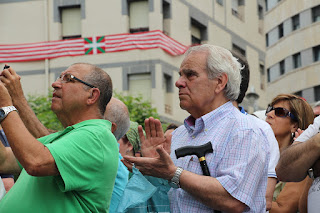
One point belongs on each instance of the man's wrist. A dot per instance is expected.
(175, 180)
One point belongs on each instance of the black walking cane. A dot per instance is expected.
(200, 152)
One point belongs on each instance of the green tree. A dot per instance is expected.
(139, 109)
(41, 105)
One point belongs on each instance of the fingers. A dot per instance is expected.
(147, 128)
(162, 152)
(141, 135)
(158, 126)
(127, 164)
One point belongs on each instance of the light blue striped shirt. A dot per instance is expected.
(239, 160)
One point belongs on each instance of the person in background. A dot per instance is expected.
(264, 127)
(72, 170)
(130, 142)
(286, 114)
(117, 113)
(316, 109)
(301, 161)
(7, 179)
(209, 80)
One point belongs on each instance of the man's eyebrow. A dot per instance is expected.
(190, 71)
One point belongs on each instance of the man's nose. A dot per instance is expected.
(180, 82)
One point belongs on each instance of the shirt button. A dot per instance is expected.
(193, 137)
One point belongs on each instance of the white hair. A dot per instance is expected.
(219, 61)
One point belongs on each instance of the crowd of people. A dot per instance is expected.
(221, 159)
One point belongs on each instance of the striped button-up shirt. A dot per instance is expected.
(239, 160)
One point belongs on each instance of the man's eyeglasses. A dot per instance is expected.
(66, 78)
(280, 112)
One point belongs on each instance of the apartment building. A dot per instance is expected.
(234, 24)
(292, 30)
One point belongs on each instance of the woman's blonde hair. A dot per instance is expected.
(299, 107)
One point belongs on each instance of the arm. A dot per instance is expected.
(297, 159)
(33, 155)
(159, 164)
(12, 82)
(270, 189)
(303, 202)
(288, 199)
(206, 189)
(8, 162)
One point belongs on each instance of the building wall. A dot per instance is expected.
(111, 17)
(299, 80)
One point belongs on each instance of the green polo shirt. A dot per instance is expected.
(86, 155)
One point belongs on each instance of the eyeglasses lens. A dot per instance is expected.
(280, 112)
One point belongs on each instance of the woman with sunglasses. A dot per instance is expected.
(286, 114)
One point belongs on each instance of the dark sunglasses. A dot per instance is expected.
(66, 78)
(281, 112)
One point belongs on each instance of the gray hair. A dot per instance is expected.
(101, 80)
(117, 112)
(219, 61)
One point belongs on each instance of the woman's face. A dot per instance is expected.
(281, 126)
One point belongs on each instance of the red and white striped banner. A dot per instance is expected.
(92, 45)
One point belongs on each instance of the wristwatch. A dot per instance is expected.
(4, 111)
(174, 182)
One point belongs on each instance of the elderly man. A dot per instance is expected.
(117, 113)
(209, 80)
(68, 171)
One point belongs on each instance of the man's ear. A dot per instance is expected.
(222, 82)
(93, 96)
(113, 127)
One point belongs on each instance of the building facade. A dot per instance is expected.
(234, 24)
(292, 30)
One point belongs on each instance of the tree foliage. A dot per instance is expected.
(139, 109)
(41, 105)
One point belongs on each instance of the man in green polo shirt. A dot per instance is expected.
(68, 171)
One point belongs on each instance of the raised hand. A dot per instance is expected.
(154, 137)
(11, 80)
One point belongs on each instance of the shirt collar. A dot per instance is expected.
(194, 126)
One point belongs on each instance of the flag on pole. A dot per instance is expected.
(91, 45)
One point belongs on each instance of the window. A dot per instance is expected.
(238, 8)
(282, 67)
(267, 39)
(296, 60)
(167, 89)
(316, 14)
(238, 49)
(220, 2)
(139, 16)
(317, 93)
(260, 12)
(295, 22)
(266, 3)
(166, 11)
(262, 77)
(299, 93)
(268, 74)
(280, 29)
(316, 53)
(70, 22)
(198, 32)
(140, 84)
